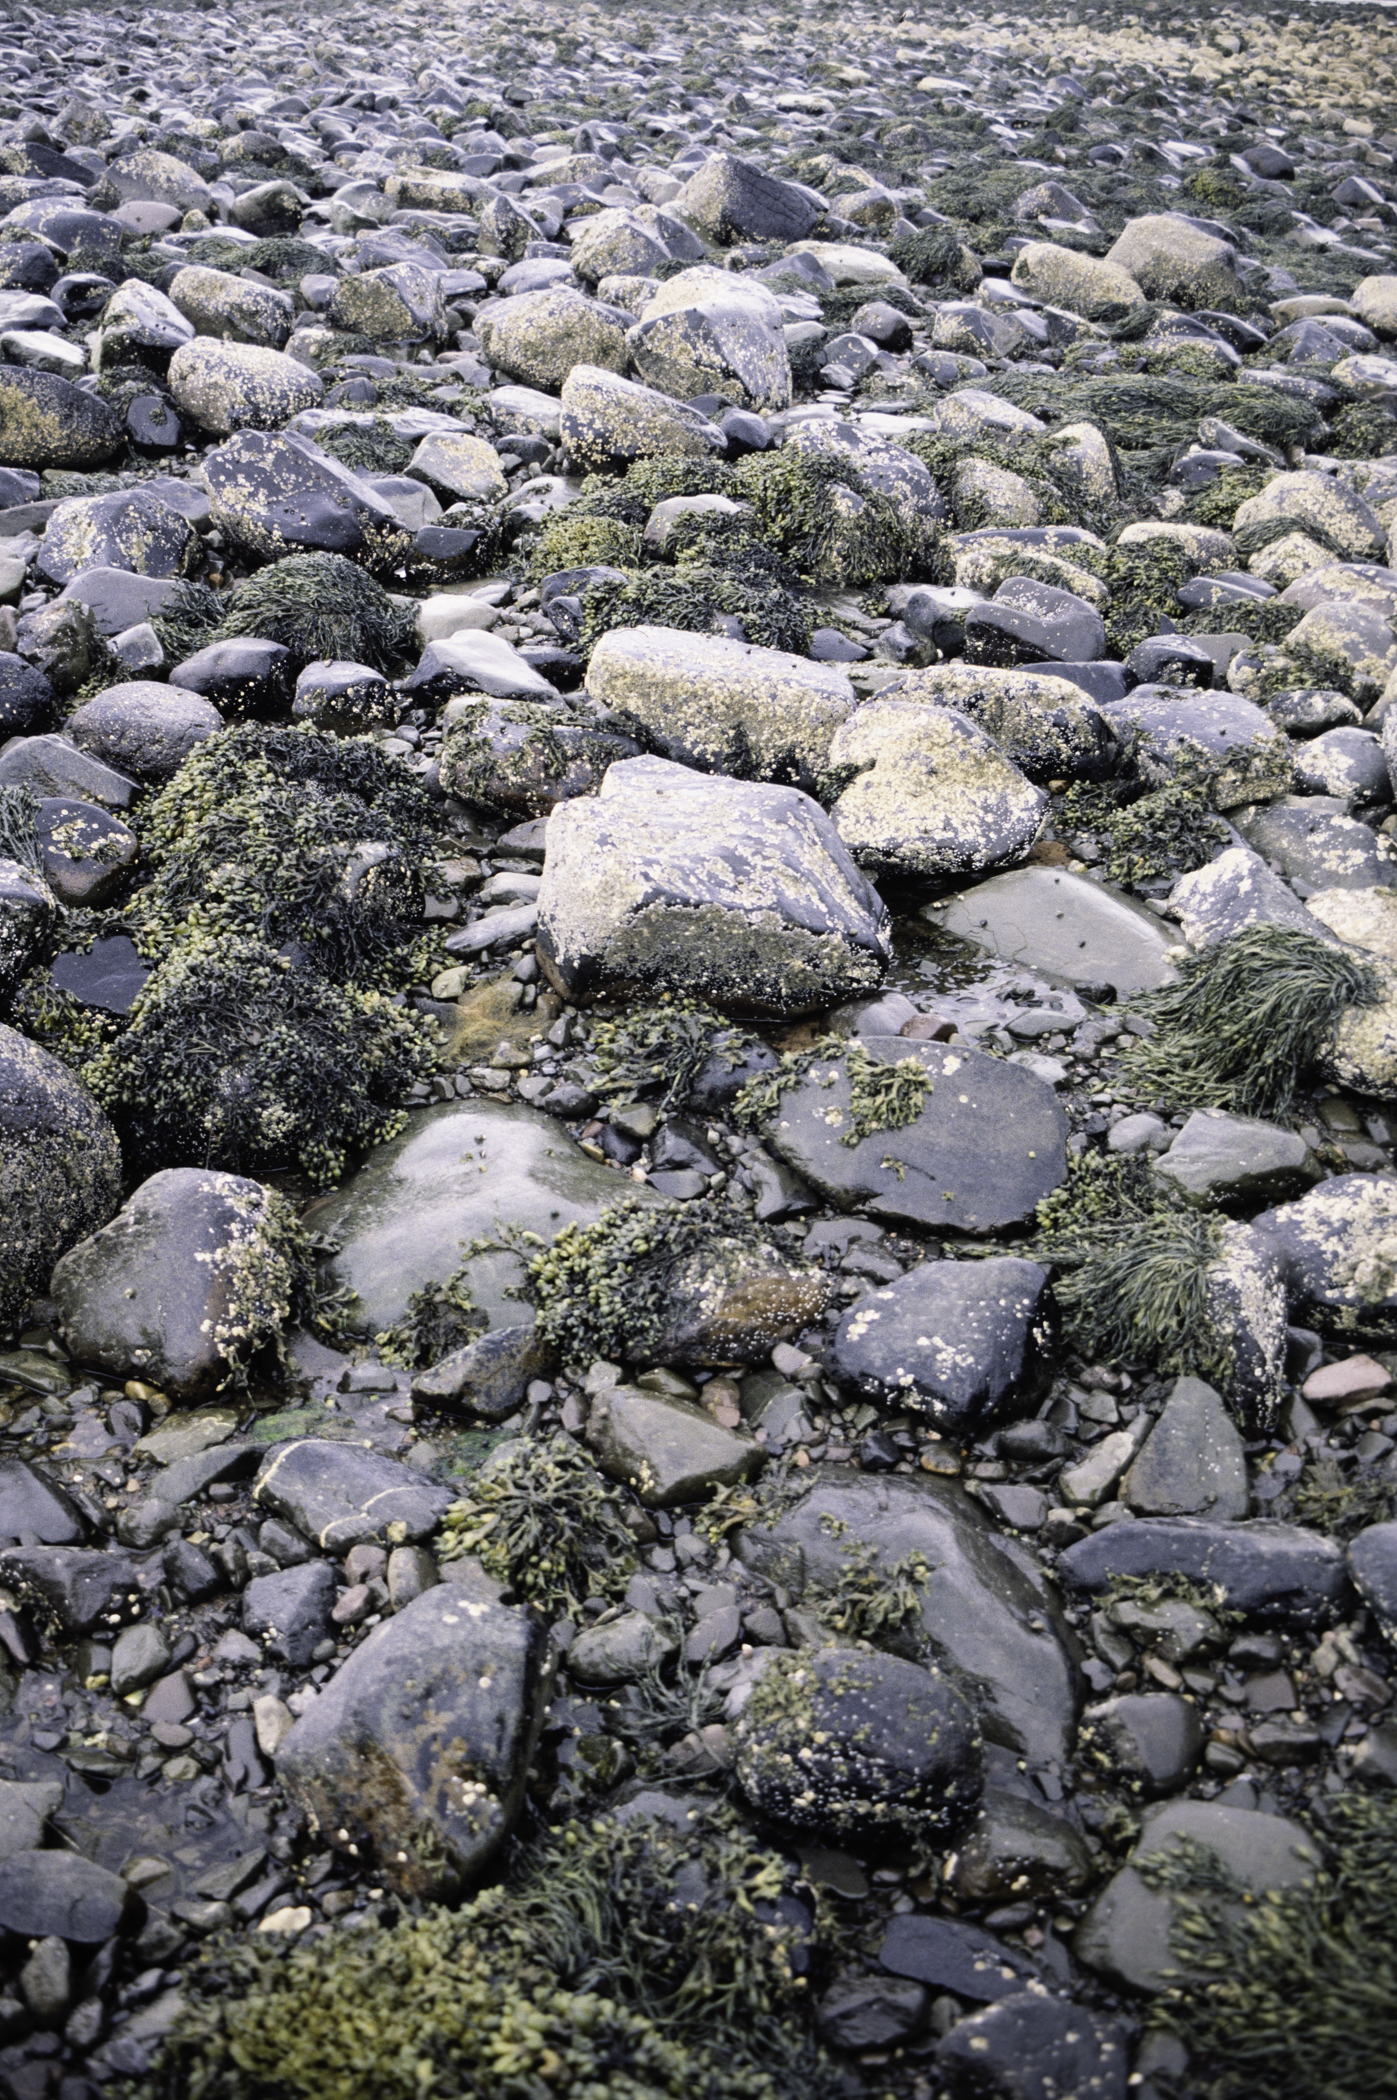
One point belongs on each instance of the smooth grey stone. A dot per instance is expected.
(1222, 1159)
(60, 1169)
(402, 1217)
(338, 1494)
(490, 1375)
(1065, 925)
(61, 1895)
(1312, 837)
(418, 1749)
(241, 677)
(1275, 1573)
(184, 1478)
(35, 1508)
(109, 975)
(140, 1654)
(988, 1146)
(85, 852)
(118, 598)
(950, 1954)
(1372, 1559)
(25, 1807)
(1193, 1462)
(960, 1342)
(987, 1615)
(1015, 1848)
(185, 1273)
(145, 728)
(1033, 2047)
(277, 493)
(290, 1611)
(668, 1449)
(67, 1586)
(1152, 1739)
(1028, 621)
(53, 765)
(621, 1651)
(870, 2012)
(730, 199)
(1126, 1935)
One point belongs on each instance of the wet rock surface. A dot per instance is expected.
(698, 1053)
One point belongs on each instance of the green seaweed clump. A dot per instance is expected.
(660, 1049)
(871, 1599)
(237, 1058)
(1133, 1268)
(934, 255)
(1162, 834)
(616, 1962)
(1247, 1019)
(882, 1096)
(319, 606)
(1327, 1499)
(542, 1520)
(439, 1318)
(819, 515)
(368, 448)
(1290, 1994)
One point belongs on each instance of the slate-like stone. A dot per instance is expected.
(1274, 1573)
(1313, 837)
(68, 1587)
(1066, 926)
(987, 1616)
(1233, 892)
(1223, 1159)
(338, 1494)
(987, 1147)
(1015, 1848)
(290, 1611)
(668, 1450)
(143, 727)
(961, 1342)
(1193, 1463)
(1033, 2047)
(949, 1954)
(61, 1895)
(35, 1508)
(276, 493)
(52, 765)
(418, 1749)
(1151, 1740)
(109, 976)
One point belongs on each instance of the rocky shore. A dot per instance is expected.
(698, 1053)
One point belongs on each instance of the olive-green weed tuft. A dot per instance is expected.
(659, 1050)
(542, 1521)
(320, 606)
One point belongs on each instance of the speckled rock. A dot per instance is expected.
(1317, 505)
(27, 907)
(128, 529)
(1032, 2047)
(46, 421)
(537, 337)
(277, 493)
(987, 1615)
(417, 1750)
(859, 1747)
(1098, 290)
(1338, 1251)
(190, 1275)
(730, 199)
(960, 1342)
(220, 304)
(1230, 893)
(723, 706)
(1175, 261)
(228, 386)
(341, 1494)
(400, 303)
(1314, 838)
(1016, 1848)
(932, 793)
(1274, 1573)
(1047, 726)
(144, 728)
(1249, 757)
(741, 893)
(708, 332)
(60, 1169)
(1365, 918)
(608, 421)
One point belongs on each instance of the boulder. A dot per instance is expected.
(1337, 1247)
(416, 1753)
(128, 529)
(1313, 838)
(191, 1276)
(1364, 918)
(26, 696)
(277, 493)
(1099, 291)
(1016, 1848)
(228, 386)
(61, 1895)
(960, 1342)
(730, 199)
(340, 1494)
(1247, 756)
(1233, 892)
(668, 1450)
(739, 893)
(1275, 1573)
(932, 794)
(1174, 259)
(238, 311)
(460, 468)
(1032, 2047)
(140, 326)
(289, 1612)
(538, 337)
(60, 1169)
(401, 303)
(1224, 1159)
(26, 914)
(1345, 644)
(1065, 925)
(608, 421)
(707, 331)
(1193, 1463)
(1047, 726)
(984, 1148)
(723, 706)
(35, 1507)
(1317, 505)
(987, 1616)
(46, 421)
(144, 728)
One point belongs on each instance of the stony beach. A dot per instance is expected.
(698, 1053)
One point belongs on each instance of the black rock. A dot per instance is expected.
(1101, 682)
(960, 1342)
(871, 2012)
(1372, 1559)
(118, 598)
(26, 697)
(17, 487)
(144, 727)
(276, 493)
(242, 677)
(717, 1082)
(109, 975)
(1171, 656)
(290, 1610)
(1273, 1572)
(35, 1509)
(338, 1494)
(67, 1586)
(45, 421)
(1032, 2047)
(1152, 1739)
(61, 1895)
(126, 529)
(490, 1375)
(190, 1573)
(60, 1168)
(86, 852)
(947, 1955)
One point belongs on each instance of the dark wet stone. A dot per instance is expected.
(241, 677)
(1372, 1559)
(64, 1896)
(108, 976)
(60, 1169)
(143, 727)
(86, 852)
(67, 1586)
(948, 1955)
(35, 1509)
(961, 1342)
(418, 1749)
(1153, 1740)
(26, 697)
(1272, 1572)
(45, 421)
(1032, 2047)
(338, 1494)
(489, 1376)
(871, 2012)
(290, 1611)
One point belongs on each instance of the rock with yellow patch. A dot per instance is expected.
(933, 794)
(608, 421)
(232, 308)
(193, 1273)
(228, 386)
(538, 337)
(1337, 1247)
(1047, 726)
(413, 1759)
(1174, 260)
(1098, 290)
(1317, 505)
(46, 421)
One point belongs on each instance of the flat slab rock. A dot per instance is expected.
(338, 1494)
(1270, 1571)
(667, 1449)
(1065, 925)
(988, 1146)
(987, 1615)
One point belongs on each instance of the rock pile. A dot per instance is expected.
(698, 1052)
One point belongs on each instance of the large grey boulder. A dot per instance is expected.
(608, 421)
(144, 728)
(1277, 1573)
(1316, 504)
(1126, 1936)
(231, 308)
(46, 421)
(537, 337)
(276, 493)
(1064, 925)
(60, 1169)
(666, 1449)
(1048, 726)
(987, 1144)
(1312, 837)
(731, 199)
(340, 1494)
(932, 794)
(402, 1219)
(191, 1275)
(707, 331)
(1083, 284)
(1337, 1248)
(987, 1616)
(400, 303)
(1193, 1462)
(1233, 892)
(417, 1751)
(722, 705)
(1172, 258)
(228, 386)
(961, 1342)
(741, 893)
(1247, 757)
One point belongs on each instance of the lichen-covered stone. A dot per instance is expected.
(537, 337)
(933, 794)
(276, 493)
(608, 421)
(960, 1342)
(237, 385)
(1172, 260)
(220, 304)
(60, 1169)
(46, 421)
(128, 529)
(1098, 290)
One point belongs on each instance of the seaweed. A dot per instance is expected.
(237, 1058)
(19, 809)
(882, 1096)
(934, 255)
(368, 448)
(1289, 1994)
(543, 1522)
(871, 1599)
(1163, 834)
(660, 1049)
(1327, 1500)
(438, 1318)
(319, 606)
(1246, 1020)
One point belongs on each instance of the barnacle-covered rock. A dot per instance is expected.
(932, 794)
(524, 756)
(859, 1747)
(60, 1169)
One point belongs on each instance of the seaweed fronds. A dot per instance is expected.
(660, 1049)
(1247, 1019)
(542, 1520)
